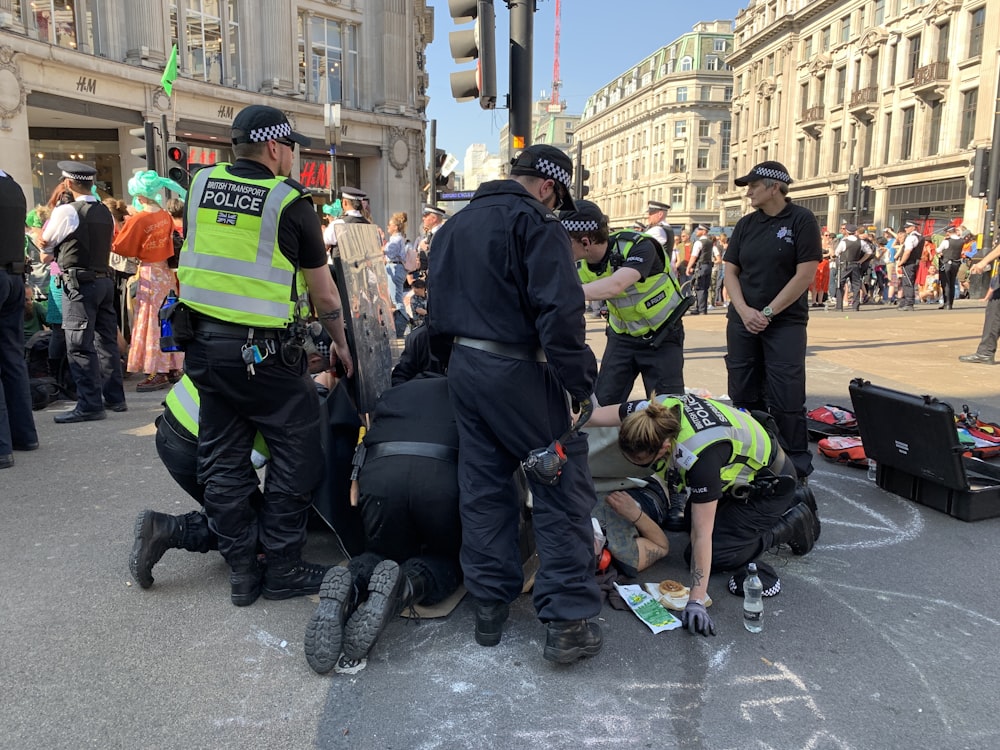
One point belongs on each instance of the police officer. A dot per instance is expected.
(432, 219)
(412, 527)
(645, 334)
(853, 254)
(699, 267)
(17, 424)
(907, 259)
(657, 226)
(254, 248)
(503, 283)
(951, 259)
(351, 199)
(80, 234)
(744, 497)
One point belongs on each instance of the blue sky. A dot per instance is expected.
(600, 39)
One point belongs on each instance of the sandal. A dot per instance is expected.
(156, 382)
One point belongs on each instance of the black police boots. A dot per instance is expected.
(325, 631)
(245, 580)
(155, 533)
(490, 617)
(287, 578)
(565, 642)
(390, 591)
(795, 528)
(804, 494)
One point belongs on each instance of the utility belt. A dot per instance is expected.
(524, 352)
(769, 481)
(654, 339)
(203, 324)
(16, 267)
(73, 277)
(401, 448)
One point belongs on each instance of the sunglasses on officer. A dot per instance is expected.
(285, 142)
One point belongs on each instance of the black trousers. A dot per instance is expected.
(702, 282)
(854, 275)
(626, 357)
(991, 327)
(908, 282)
(504, 409)
(179, 454)
(92, 344)
(280, 402)
(767, 371)
(948, 274)
(17, 424)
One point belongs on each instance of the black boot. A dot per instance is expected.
(565, 642)
(676, 501)
(795, 528)
(197, 537)
(287, 578)
(389, 593)
(804, 494)
(325, 631)
(155, 533)
(245, 580)
(490, 617)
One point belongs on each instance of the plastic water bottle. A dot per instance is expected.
(872, 470)
(167, 343)
(753, 600)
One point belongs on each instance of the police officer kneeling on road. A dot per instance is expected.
(254, 248)
(744, 495)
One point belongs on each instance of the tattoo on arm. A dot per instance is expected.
(697, 574)
(652, 555)
(332, 315)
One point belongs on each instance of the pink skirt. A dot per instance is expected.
(144, 355)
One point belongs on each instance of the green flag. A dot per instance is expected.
(170, 73)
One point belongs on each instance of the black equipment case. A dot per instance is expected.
(914, 441)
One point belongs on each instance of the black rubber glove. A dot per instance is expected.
(696, 619)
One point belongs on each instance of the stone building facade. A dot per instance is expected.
(76, 76)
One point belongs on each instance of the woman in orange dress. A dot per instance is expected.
(821, 281)
(147, 235)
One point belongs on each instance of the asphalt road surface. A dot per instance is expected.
(885, 636)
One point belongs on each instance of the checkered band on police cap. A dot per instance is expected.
(270, 133)
(553, 170)
(766, 170)
(586, 225)
(77, 171)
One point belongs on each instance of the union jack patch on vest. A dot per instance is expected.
(226, 217)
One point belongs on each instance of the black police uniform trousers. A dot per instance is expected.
(991, 327)
(280, 401)
(17, 424)
(504, 409)
(767, 371)
(92, 343)
(908, 281)
(626, 357)
(948, 275)
(409, 508)
(702, 282)
(852, 273)
(744, 526)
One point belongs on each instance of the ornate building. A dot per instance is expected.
(661, 131)
(901, 91)
(76, 76)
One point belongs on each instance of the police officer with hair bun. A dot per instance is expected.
(253, 251)
(80, 235)
(503, 284)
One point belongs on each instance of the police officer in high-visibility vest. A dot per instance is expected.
(744, 495)
(253, 250)
(645, 332)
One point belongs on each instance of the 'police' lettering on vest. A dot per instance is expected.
(701, 414)
(655, 300)
(234, 196)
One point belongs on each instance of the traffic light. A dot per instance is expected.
(148, 150)
(177, 163)
(853, 191)
(581, 187)
(444, 178)
(979, 176)
(479, 44)
(866, 197)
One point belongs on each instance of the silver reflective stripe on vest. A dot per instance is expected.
(232, 301)
(185, 400)
(634, 300)
(262, 268)
(738, 433)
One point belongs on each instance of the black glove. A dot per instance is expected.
(695, 618)
(584, 408)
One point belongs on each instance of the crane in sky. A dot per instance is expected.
(555, 105)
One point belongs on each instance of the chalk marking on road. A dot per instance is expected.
(267, 640)
(892, 532)
(775, 704)
(720, 657)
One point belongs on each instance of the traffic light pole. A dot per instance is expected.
(432, 197)
(521, 44)
(994, 179)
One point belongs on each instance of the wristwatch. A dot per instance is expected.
(768, 312)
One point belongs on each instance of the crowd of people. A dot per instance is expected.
(488, 400)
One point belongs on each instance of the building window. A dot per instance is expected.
(687, 63)
(879, 13)
(704, 128)
(835, 147)
(706, 93)
(676, 198)
(682, 93)
(701, 199)
(55, 22)
(727, 94)
(203, 39)
(725, 136)
(912, 56)
(800, 155)
(893, 63)
(711, 62)
(803, 99)
(888, 138)
(825, 38)
(817, 152)
(321, 56)
(679, 163)
(841, 83)
(868, 133)
(942, 45)
(807, 47)
(680, 129)
(977, 23)
(719, 45)
(934, 130)
(845, 29)
(873, 62)
(702, 158)
(970, 102)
